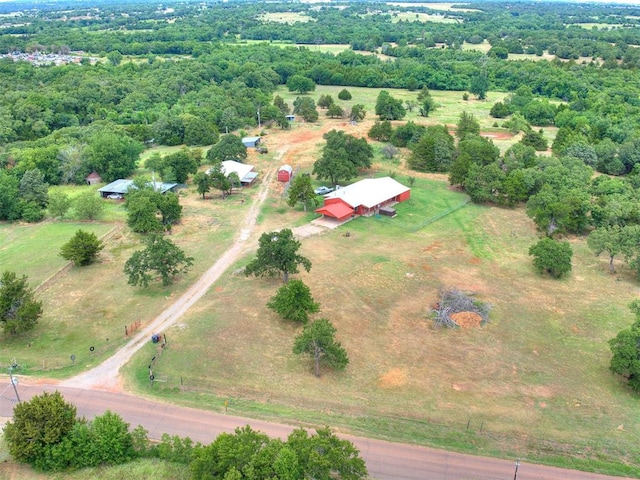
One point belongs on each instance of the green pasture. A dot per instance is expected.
(484, 47)
(420, 17)
(32, 249)
(451, 104)
(597, 25)
(434, 6)
(533, 383)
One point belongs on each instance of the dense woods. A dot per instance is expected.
(180, 75)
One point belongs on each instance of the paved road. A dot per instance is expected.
(385, 460)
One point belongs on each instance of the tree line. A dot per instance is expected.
(47, 434)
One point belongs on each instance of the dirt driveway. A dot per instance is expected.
(106, 375)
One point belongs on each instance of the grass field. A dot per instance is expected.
(534, 380)
(421, 17)
(90, 306)
(285, 17)
(533, 383)
(451, 106)
(434, 6)
(32, 249)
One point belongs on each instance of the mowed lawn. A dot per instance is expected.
(534, 382)
(32, 249)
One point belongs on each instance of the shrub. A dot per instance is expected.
(552, 256)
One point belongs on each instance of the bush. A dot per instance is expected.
(344, 94)
(37, 426)
(552, 256)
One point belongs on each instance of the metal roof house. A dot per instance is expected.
(245, 172)
(251, 142)
(121, 187)
(365, 197)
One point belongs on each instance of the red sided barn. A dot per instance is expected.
(285, 172)
(365, 197)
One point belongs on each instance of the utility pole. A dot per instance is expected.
(14, 382)
(515, 475)
(259, 126)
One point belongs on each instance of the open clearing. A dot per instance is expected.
(421, 17)
(433, 6)
(285, 17)
(533, 382)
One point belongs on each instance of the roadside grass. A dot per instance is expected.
(141, 469)
(532, 383)
(90, 306)
(32, 249)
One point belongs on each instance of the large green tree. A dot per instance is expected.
(552, 257)
(230, 147)
(381, 131)
(293, 301)
(59, 204)
(389, 108)
(342, 156)
(88, 206)
(300, 84)
(301, 190)
(615, 240)
(159, 257)
(37, 426)
(82, 249)
(113, 155)
(202, 182)
(306, 108)
(151, 211)
(174, 167)
(318, 340)
(228, 452)
(467, 123)
(277, 254)
(434, 152)
(559, 210)
(9, 206)
(325, 455)
(625, 348)
(19, 311)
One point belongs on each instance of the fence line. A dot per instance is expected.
(60, 272)
(437, 217)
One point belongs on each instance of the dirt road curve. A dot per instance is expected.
(385, 460)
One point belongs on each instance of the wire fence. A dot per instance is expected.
(437, 217)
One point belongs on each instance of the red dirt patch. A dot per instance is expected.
(395, 377)
(466, 319)
(497, 135)
(433, 246)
